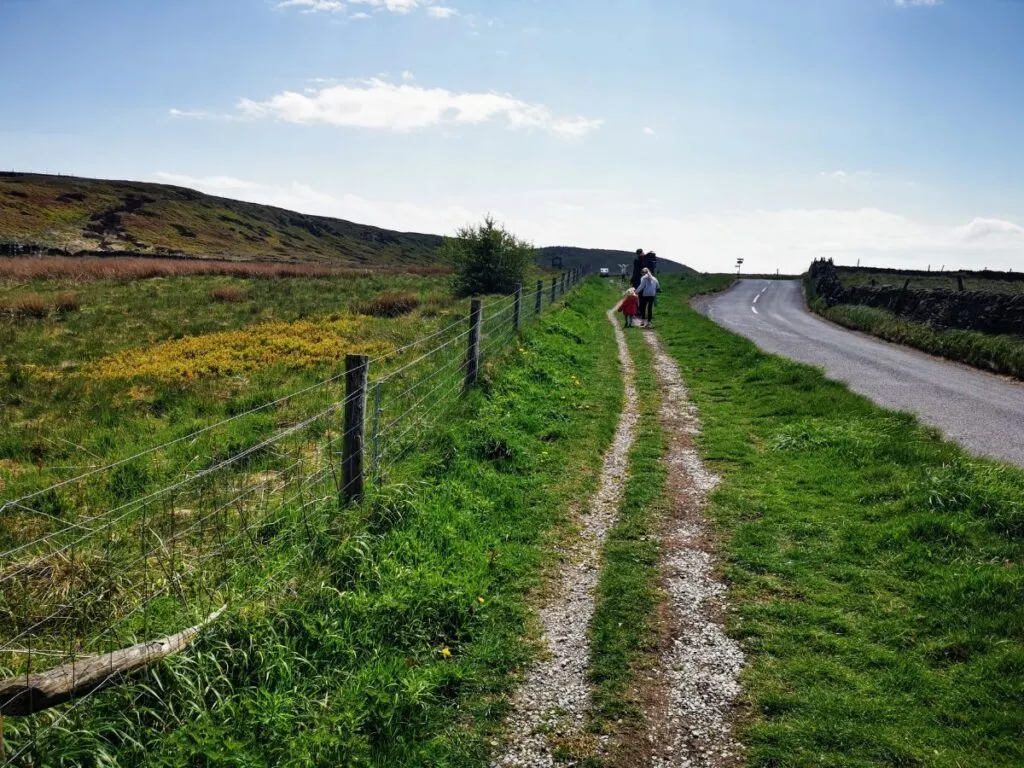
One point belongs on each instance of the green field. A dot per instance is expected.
(410, 608)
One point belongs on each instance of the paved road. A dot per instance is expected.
(983, 412)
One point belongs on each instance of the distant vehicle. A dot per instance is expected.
(604, 272)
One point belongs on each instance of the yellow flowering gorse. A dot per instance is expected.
(301, 344)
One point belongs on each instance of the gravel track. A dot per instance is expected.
(699, 665)
(550, 706)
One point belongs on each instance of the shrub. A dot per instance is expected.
(227, 294)
(66, 301)
(487, 259)
(388, 304)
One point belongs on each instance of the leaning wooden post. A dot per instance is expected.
(357, 368)
(554, 289)
(540, 297)
(473, 351)
(517, 306)
(561, 291)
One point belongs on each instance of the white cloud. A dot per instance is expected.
(360, 15)
(846, 177)
(650, 132)
(339, 6)
(378, 104)
(441, 12)
(403, 216)
(787, 239)
(314, 6)
(992, 230)
(407, 76)
(917, 3)
(395, 6)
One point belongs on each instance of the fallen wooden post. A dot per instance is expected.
(25, 695)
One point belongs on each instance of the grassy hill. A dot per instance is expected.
(69, 215)
(76, 216)
(596, 258)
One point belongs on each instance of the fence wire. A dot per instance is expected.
(144, 546)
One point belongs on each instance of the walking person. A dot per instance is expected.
(651, 262)
(628, 306)
(648, 290)
(638, 266)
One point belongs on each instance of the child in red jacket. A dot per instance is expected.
(628, 306)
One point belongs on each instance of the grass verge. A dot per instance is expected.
(1001, 354)
(876, 570)
(396, 641)
(623, 636)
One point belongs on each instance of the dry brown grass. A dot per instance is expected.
(388, 304)
(227, 294)
(31, 305)
(67, 301)
(88, 268)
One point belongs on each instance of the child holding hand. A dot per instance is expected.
(628, 306)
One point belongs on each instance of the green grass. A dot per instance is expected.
(397, 638)
(1000, 354)
(876, 570)
(622, 632)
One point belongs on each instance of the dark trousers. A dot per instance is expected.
(647, 308)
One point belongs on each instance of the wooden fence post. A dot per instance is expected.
(517, 306)
(473, 351)
(554, 289)
(357, 368)
(561, 291)
(540, 297)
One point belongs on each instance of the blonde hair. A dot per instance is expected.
(646, 272)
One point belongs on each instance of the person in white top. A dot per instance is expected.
(648, 289)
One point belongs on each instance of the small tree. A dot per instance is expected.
(487, 258)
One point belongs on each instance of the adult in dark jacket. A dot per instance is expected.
(651, 262)
(638, 268)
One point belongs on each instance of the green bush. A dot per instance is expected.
(487, 258)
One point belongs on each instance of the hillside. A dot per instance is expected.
(596, 258)
(77, 216)
(64, 214)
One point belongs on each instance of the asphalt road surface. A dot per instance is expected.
(983, 412)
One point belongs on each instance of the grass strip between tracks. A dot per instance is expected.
(876, 570)
(623, 633)
(397, 648)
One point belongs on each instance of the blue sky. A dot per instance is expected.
(875, 130)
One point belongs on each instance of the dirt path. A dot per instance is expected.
(696, 680)
(551, 705)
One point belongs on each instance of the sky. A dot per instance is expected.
(884, 132)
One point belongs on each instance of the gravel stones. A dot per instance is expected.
(551, 705)
(699, 667)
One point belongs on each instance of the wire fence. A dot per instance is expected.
(147, 545)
